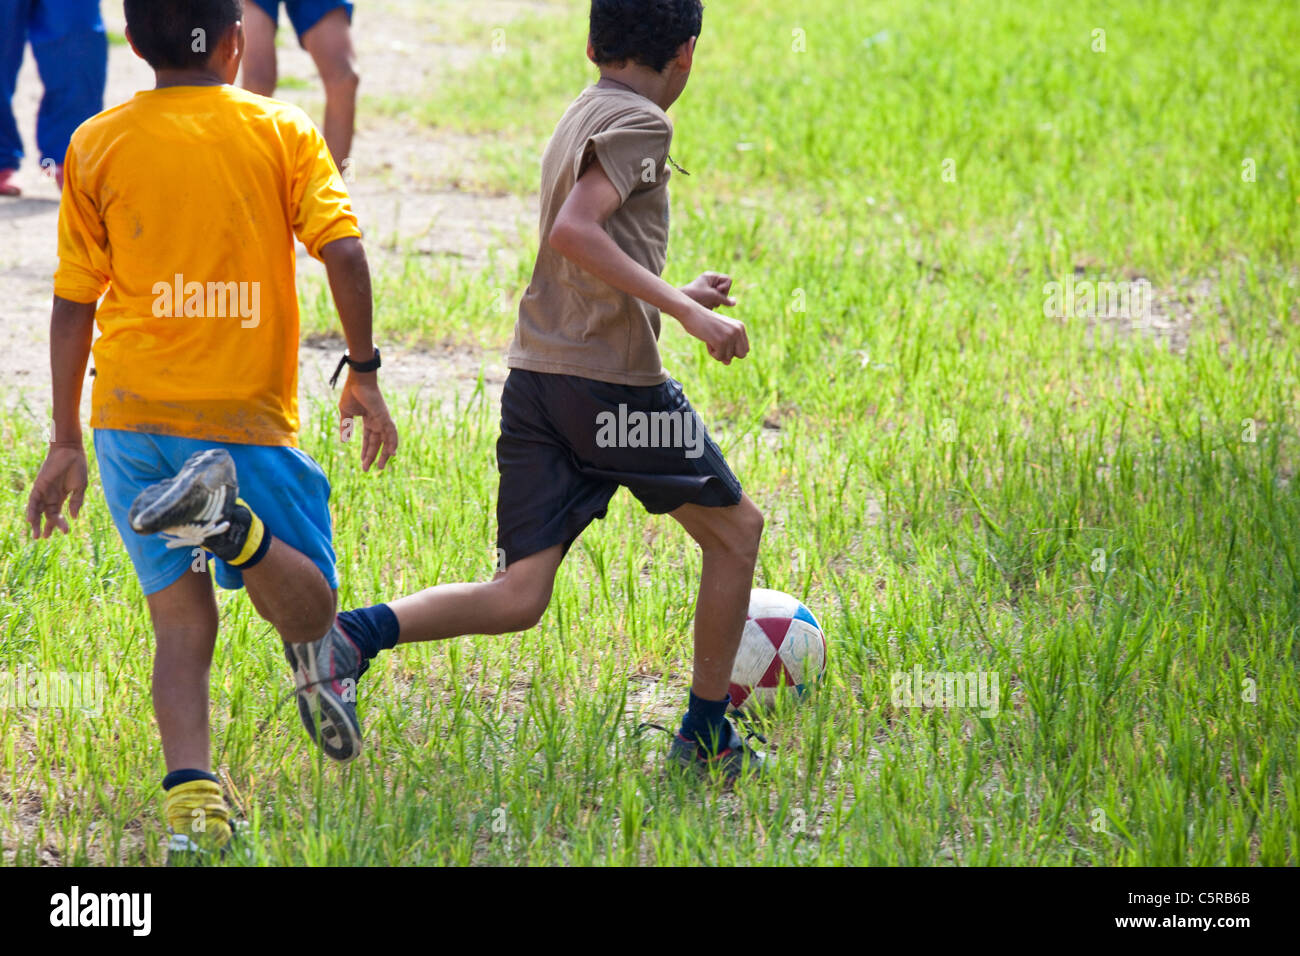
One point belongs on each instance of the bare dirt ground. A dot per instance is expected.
(401, 51)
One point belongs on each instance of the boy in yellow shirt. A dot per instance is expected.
(180, 211)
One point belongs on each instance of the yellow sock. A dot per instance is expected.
(256, 532)
(198, 810)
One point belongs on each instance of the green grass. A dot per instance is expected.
(1103, 516)
(297, 83)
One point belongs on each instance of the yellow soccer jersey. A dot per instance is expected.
(180, 208)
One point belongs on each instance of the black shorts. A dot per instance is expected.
(567, 443)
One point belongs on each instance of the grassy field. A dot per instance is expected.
(1100, 511)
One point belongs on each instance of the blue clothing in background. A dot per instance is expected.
(304, 14)
(71, 50)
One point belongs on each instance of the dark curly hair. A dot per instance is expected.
(648, 32)
(167, 32)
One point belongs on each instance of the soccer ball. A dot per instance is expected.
(782, 644)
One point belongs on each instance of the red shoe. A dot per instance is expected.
(7, 188)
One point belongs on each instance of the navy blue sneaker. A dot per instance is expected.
(733, 761)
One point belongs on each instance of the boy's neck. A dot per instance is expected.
(639, 79)
(166, 78)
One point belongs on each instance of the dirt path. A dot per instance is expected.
(402, 51)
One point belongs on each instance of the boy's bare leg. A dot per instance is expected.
(729, 539)
(184, 618)
(260, 70)
(287, 590)
(291, 594)
(330, 44)
(512, 601)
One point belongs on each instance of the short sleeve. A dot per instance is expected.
(632, 152)
(83, 271)
(322, 208)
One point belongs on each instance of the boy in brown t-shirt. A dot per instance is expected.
(588, 406)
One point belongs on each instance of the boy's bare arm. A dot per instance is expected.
(349, 276)
(579, 235)
(63, 473)
(72, 329)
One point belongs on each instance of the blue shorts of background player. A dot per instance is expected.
(303, 14)
(283, 485)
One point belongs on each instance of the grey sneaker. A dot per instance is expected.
(199, 507)
(326, 672)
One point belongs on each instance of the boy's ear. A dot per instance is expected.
(229, 52)
(232, 43)
(686, 54)
(591, 51)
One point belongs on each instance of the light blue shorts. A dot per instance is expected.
(284, 486)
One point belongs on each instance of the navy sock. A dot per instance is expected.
(706, 723)
(374, 629)
(178, 777)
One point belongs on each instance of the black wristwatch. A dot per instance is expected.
(370, 366)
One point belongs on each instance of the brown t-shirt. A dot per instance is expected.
(571, 322)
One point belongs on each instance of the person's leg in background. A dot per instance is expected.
(260, 71)
(329, 41)
(70, 45)
(13, 40)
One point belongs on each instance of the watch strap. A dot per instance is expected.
(371, 365)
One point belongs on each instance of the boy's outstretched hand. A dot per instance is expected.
(364, 400)
(62, 478)
(726, 338)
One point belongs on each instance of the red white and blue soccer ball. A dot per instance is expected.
(783, 645)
